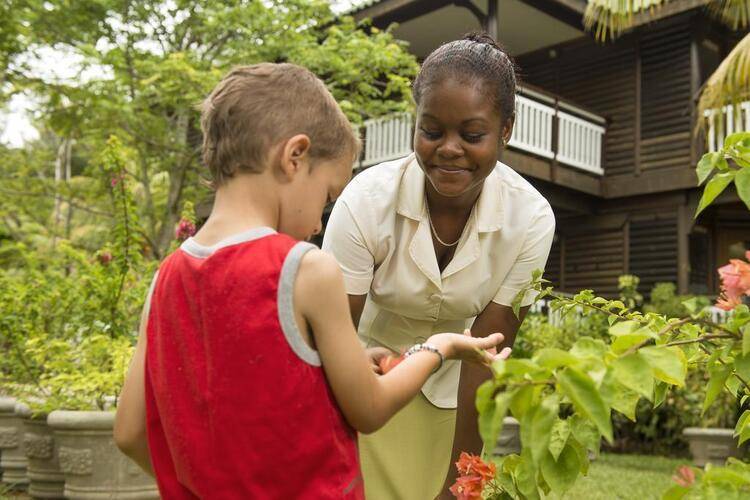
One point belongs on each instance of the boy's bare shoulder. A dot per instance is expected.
(319, 272)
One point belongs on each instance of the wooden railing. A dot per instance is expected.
(545, 126)
(732, 120)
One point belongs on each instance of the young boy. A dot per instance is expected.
(248, 376)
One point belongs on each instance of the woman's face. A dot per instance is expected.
(458, 135)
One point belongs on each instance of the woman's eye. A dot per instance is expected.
(432, 135)
(473, 137)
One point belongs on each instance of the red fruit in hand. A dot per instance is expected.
(388, 363)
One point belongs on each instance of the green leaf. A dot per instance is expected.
(669, 363)
(521, 401)
(742, 429)
(619, 397)
(625, 342)
(676, 492)
(525, 475)
(717, 377)
(691, 305)
(623, 328)
(706, 166)
(714, 188)
(732, 139)
(561, 474)
(660, 393)
(746, 339)
(635, 373)
(742, 366)
(558, 437)
(539, 427)
(589, 347)
(585, 432)
(551, 357)
(492, 429)
(742, 184)
(586, 399)
(581, 451)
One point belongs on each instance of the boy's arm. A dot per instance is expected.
(366, 400)
(130, 419)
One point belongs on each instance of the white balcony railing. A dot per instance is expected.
(578, 143)
(732, 120)
(387, 138)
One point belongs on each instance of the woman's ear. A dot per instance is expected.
(507, 130)
(295, 155)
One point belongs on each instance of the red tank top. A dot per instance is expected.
(238, 406)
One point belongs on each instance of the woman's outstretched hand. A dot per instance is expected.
(481, 350)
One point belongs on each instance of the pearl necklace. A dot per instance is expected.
(434, 231)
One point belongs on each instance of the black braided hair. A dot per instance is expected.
(475, 57)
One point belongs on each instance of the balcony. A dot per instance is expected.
(732, 121)
(545, 126)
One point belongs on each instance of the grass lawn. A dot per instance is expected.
(637, 477)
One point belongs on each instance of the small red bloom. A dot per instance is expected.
(684, 476)
(104, 258)
(735, 282)
(185, 229)
(472, 465)
(468, 488)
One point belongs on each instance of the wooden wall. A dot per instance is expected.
(653, 248)
(641, 84)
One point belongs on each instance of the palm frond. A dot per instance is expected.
(609, 18)
(732, 13)
(729, 85)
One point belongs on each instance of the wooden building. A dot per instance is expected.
(604, 131)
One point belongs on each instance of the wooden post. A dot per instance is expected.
(562, 262)
(683, 259)
(492, 19)
(696, 143)
(626, 247)
(637, 127)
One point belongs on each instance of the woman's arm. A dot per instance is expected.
(494, 318)
(366, 400)
(130, 419)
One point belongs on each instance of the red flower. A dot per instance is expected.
(472, 465)
(735, 282)
(468, 488)
(185, 229)
(474, 474)
(684, 476)
(104, 258)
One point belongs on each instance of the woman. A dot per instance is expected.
(438, 241)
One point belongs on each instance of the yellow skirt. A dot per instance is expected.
(408, 458)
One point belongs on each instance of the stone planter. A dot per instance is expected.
(46, 480)
(93, 466)
(12, 456)
(509, 441)
(711, 445)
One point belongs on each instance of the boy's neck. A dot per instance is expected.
(244, 202)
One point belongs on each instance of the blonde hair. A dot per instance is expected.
(255, 107)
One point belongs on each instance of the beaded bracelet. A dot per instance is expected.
(426, 347)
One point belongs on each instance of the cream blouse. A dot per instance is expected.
(379, 233)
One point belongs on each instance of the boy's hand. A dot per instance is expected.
(467, 348)
(375, 355)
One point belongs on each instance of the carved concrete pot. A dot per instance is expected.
(711, 445)
(12, 456)
(46, 480)
(93, 466)
(509, 441)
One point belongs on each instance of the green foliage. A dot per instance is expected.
(564, 396)
(68, 318)
(730, 164)
(149, 64)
